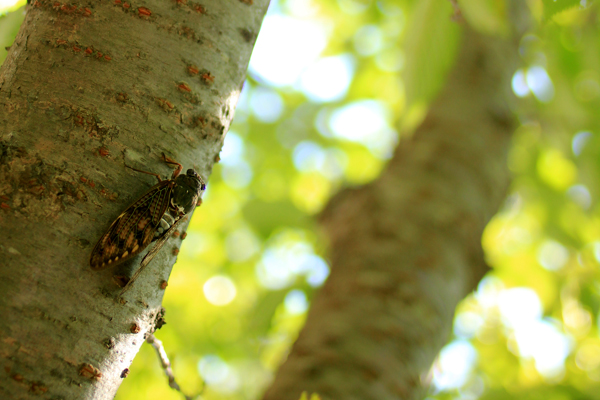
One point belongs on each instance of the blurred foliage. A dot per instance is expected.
(253, 255)
(313, 396)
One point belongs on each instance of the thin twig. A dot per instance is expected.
(166, 365)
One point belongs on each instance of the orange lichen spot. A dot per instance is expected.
(181, 1)
(17, 377)
(163, 285)
(56, 5)
(217, 158)
(143, 11)
(135, 328)
(61, 41)
(4, 206)
(184, 87)
(207, 78)
(87, 12)
(249, 2)
(3, 197)
(118, 2)
(89, 50)
(76, 49)
(107, 58)
(91, 183)
(201, 121)
(175, 251)
(38, 388)
(103, 151)
(89, 371)
(126, 5)
(183, 235)
(83, 179)
(193, 70)
(165, 104)
(199, 9)
(176, 234)
(37, 190)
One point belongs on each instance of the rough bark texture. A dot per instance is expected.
(86, 88)
(407, 248)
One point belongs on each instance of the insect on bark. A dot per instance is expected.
(153, 217)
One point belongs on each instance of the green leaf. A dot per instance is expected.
(553, 7)
(431, 43)
(9, 27)
(486, 16)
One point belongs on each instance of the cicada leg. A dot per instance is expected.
(173, 162)
(145, 172)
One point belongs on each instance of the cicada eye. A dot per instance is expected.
(203, 187)
(191, 172)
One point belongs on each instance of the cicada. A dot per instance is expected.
(152, 218)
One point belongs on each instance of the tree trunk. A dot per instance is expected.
(84, 91)
(407, 248)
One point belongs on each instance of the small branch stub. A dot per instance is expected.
(135, 328)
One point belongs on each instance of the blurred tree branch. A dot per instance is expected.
(407, 248)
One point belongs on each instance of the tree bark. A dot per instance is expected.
(87, 88)
(407, 248)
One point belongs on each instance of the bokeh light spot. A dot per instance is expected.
(295, 302)
(454, 365)
(285, 47)
(241, 244)
(519, 84)
(556, 170)
(552, 255)
(518, 306)
(267, 105)
(232, 150)
(368, 40)
(579, 141)
(219, 290)
(328, 79)
(540, 84)
(218, 374)
(580, 195)
(365, 122)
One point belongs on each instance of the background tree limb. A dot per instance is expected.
(407, 248)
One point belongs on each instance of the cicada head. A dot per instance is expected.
(187, 191)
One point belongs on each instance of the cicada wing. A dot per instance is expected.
(153, 251)
(134, 229)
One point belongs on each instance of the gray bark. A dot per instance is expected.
(85, 89)
(407, 248)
